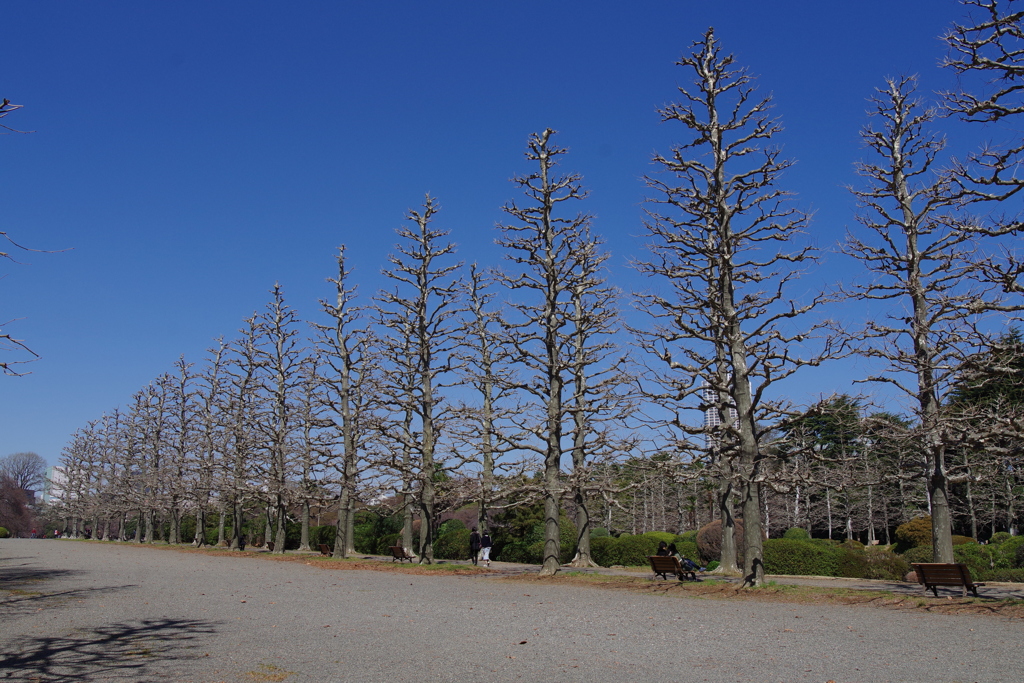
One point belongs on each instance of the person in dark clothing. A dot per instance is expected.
(662, 549)
(485, 549)
(474, 545)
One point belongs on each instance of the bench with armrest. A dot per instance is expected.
(933, 574)
(325, 550)
(398, 553)
(663, 566)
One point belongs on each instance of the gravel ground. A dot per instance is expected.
(73, 611)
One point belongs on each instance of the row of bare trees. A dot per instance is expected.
(435, 393)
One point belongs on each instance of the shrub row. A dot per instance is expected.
(633, 551)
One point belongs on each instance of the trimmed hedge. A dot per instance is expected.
(4, 533)
(785, 556)
(325, 534)
(915, 533)
(797, 534)
(453, 545)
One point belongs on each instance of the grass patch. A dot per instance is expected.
(268, 672)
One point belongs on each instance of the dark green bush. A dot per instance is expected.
(325, 534)
(1012, 550)
(687, 549)
(453, 545)
(634, 550)
(384, 544)
(1010, 575)
(960, 540)
(530, 549)
(785, 556)
(4, 533)
(999, 537)
(917, 532)
(884, 564)
(978, 559)
(712, 565)
(449, 526)
(605, 550)
(918, 554)
(599, 532)
(661, 536)
(689, 536)
(797, 534)
(852, 560)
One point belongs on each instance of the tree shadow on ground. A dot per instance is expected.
(24, 575)
(136, 650)
(16, 602)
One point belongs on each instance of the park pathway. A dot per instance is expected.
(74, 611)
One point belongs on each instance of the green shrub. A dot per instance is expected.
(852, 560)
(599, 532)
(530, 548)
(712, 565)
(687, 549)
(689, 536)
(978, 558)
(4, 533)
(325, 534)
(960, 540)
(918, 554)
(1011, 575)
(661, 536)
(797, 534)
(1012, 550)
(634, 550)
(385, 543)
(605, 550)
(999, 537)
(885, 564)
(915, 533)
(785, 556)
(453, 545)
(449, 526)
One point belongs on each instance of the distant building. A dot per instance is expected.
(712, 415)
(55, 484)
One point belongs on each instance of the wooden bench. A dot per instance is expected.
(398, 553)
(663, 566)
(933, 574)
(270, 546)
(325, 550)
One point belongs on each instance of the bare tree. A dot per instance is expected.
(279, 355)
(928, 263)
(557, 341)
(344, 347)
(726, 326)
(422, 309)
(25, 470)
(486, 361)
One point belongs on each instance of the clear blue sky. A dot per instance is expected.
(193, 153)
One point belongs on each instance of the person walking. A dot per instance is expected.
(485, 549)
(474, 545)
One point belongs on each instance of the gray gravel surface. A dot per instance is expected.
(75, 611)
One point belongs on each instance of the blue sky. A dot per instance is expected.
(190, 154)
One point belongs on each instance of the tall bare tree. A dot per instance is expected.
(421, 311)
(557, 276)
(280, 355)
(723, 242)
(927, 262)
(344, 347)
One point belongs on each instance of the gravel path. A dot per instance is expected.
(91, 612)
